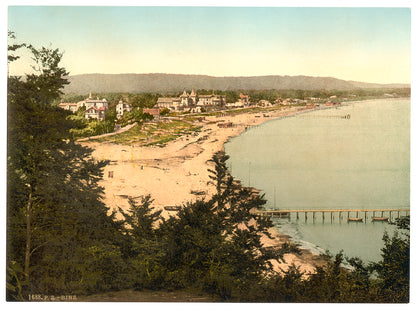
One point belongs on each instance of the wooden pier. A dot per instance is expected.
(351, 215)
(346, 116)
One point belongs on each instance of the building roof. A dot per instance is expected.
(192, 92)
(96, 100)
(63, 104)
(166, 99)
(184, 94)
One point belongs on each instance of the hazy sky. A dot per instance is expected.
(362, 44)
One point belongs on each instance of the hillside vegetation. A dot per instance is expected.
(137, 83)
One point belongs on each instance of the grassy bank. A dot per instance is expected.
(150, 134)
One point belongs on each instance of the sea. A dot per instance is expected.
(323, 160)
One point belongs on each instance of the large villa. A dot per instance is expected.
(189, 102)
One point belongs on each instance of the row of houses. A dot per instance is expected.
(191, 102)
(96, 108)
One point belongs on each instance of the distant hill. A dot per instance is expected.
(159, 82)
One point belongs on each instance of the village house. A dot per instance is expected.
(181, 103)
(286, 102)
(94, 108)
(90, 102)
(171, 103)
(237, 104)
(244, 99)
(95, 113)
(122, 107)
(189, 102)
(264, 103)
(213, 100)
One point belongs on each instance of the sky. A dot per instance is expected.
(360, 44)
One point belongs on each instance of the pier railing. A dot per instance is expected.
(356, 215)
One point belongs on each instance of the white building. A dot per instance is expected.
(181, 103)
(96, 113)
(211, 100)
(90, 102)
(122, 107)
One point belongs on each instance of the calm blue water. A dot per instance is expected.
(312, 161)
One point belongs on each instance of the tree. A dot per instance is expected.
(141, 243)
(54, 213)
(216, 244)
(13, 48)
(394, 268)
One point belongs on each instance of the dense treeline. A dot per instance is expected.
(61, 239)
(148, 100)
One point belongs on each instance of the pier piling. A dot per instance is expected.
(377, 213)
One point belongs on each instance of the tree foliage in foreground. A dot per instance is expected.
(58, 230)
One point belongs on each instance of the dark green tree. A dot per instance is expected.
(216, 244)
(142, 244)
(55, 217)
(394, 269)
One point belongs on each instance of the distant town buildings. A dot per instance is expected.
(264, 103)
(191, 102)
(90, 102)
(73, 107)
(211, 100)
(94, 108)
(244, 99)
(237, 104)
(95, 112)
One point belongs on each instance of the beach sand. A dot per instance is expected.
(170, 173)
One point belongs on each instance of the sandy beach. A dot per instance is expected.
(171, 174)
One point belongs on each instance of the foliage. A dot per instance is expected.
(394, 268)
(54, 211)
(13, 47)
(215, 244)
(134, 116)
(141, 244)
(164, 111)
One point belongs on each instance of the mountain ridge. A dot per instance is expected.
(167, 82)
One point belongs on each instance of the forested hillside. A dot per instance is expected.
(137, 83)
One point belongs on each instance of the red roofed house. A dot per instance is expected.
(94, 112)
(244, 99)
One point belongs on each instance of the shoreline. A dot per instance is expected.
(172, 172)
(178, 172)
